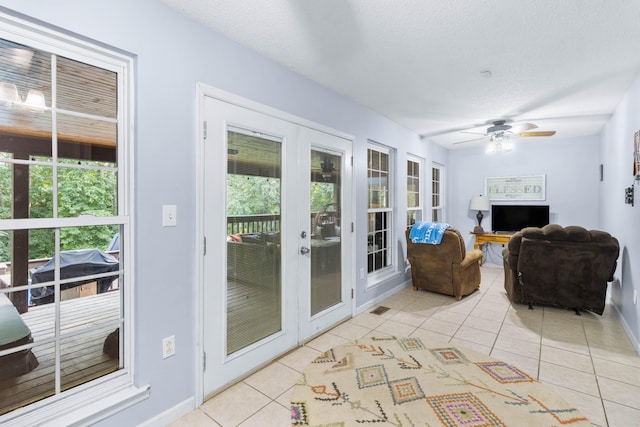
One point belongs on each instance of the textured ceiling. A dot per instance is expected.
(563, 65)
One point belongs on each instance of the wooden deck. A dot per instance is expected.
(90, 319)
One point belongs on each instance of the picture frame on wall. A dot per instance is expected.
(526, 187)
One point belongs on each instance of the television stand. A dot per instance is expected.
(484, 238)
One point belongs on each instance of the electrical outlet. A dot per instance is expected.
(168, 346)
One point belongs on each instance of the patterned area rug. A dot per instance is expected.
(406, 382)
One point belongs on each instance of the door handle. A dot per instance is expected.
(304, 250)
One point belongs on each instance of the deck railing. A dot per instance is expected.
(241, 224)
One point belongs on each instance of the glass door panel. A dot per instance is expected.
(254, 308)
(251, 249)
(326, 242)
(324, 263)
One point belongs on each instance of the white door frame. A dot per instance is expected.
(203, 90)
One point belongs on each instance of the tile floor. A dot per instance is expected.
(588, 359)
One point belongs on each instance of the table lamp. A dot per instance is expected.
(479, 203)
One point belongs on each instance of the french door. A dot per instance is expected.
(277, 222)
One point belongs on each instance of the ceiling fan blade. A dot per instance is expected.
(468, 140)
(473, 133)
(523, 127)
(538, 133)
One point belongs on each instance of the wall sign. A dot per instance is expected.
(529, 187)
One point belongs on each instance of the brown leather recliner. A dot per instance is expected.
(446, 268)
(561, 266)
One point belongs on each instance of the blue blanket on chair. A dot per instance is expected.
(429, 233)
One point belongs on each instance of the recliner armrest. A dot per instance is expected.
(471, 257)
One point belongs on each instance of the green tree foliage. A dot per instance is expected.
(321, 195)
(80, 192)
(256, 195)
(252, 195)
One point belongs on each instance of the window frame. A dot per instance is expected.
(420, 208)
(376, 276)
(116, 390)
(441, 183)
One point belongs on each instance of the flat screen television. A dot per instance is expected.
(512, 218)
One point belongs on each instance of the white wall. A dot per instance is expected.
(572, 174)
(172, 54)
(620, 219)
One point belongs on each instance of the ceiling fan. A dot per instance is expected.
(500, 133)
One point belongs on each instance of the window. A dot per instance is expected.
(437, 202)
(65, 214)
(414, 191)
(380, 210)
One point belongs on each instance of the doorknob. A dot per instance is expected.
(304, 250)
(303, 234)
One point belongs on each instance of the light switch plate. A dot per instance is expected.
(169, 215)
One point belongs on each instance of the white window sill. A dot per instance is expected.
(377, 278)
(84, 407)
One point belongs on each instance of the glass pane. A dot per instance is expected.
(94, 351)
(254, 307)
(25, 96)
(374, 160)
(378, 240)
(326, 247)
(91, 303)
(20, 386)
(411, 200)
(26, 375)
(73, 79)
(384, 187)
(384, 162)
(86, 139)
(87, 191)
(410, 218)
(25, 101)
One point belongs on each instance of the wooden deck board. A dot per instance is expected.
(82, 358)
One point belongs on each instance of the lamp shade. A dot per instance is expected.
(479, 203)
(9, 92)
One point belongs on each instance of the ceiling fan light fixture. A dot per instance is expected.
(327, 169)
(500, 142)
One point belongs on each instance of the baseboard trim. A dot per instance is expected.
(171, 414)
(627, 329)
(364, 307)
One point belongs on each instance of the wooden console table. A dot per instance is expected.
(481, 239)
